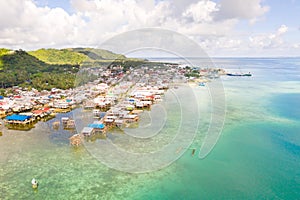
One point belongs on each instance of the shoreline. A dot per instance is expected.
(47, 103)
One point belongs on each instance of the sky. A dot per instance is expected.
(264, 28)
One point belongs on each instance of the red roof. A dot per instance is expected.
(37, 111)
(150, 97)
(46, 109)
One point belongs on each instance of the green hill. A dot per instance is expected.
(21, 68)
(59, 56)
(75, 56)
(49, 68)
(98, 54)
(2, 53)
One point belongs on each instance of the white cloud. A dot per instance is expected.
(269, 40)
(282, 29)
(201, 11)
(29, 26)
(24, 24)
(296, 46)
(241, 9)
(94, 21)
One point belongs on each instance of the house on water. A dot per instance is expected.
(19, 119)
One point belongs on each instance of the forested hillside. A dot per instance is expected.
(20, 68)
(59, 56)
(54, 68)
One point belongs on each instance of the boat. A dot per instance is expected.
(34, 183)
(247, 74)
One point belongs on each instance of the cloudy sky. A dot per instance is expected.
(220, 27)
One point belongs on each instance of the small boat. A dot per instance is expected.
(193, 152)
(247, 74)
(34, 183)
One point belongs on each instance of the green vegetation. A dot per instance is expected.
(20, 68)
(3, 52)
(75, 56)
(196, 75)
(191, 73)
(61, 57)
(98, 54)
(47, 81)
(52, 68)
(127, 64)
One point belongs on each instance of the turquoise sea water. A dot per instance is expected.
(256, 157)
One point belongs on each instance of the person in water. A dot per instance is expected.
(34, 183)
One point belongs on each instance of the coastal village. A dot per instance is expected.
(115, 99)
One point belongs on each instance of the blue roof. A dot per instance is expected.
(96, 126)
(18, 117)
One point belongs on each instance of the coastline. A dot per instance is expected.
(257, 134)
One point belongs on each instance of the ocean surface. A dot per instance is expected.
(256, 157)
